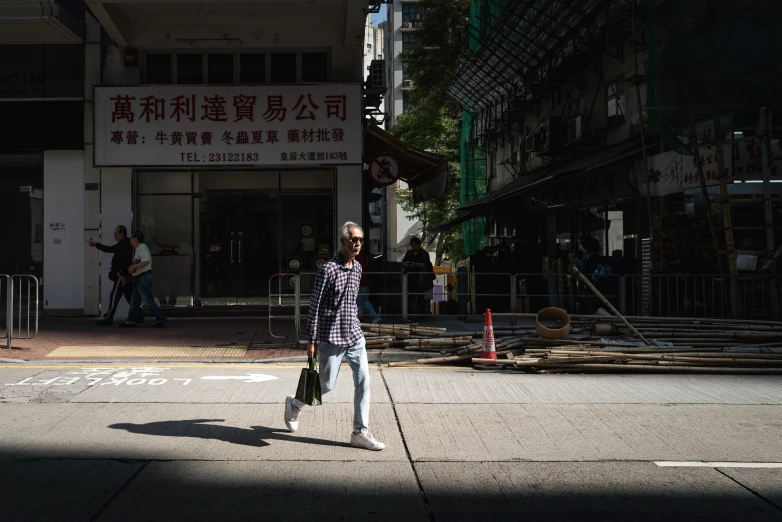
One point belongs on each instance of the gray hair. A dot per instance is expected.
(344, 230)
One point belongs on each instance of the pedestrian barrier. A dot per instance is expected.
(396, 296)
(21, 314)
(716, 296)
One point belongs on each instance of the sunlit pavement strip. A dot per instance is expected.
(146, 351)
(693, 464)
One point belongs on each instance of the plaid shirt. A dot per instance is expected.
(333, 315)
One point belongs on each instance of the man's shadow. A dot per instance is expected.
(256, 436)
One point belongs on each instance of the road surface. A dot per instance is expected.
(127, 441)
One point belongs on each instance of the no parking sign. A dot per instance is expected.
(384, 170)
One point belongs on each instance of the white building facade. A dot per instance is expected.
(230, 133)
(402, 20)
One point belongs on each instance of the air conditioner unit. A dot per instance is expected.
(415, 17)
(407, 25)
(417, 25)
(408, 84)
(574, 129)
(532, 142)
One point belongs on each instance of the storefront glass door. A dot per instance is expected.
(218, 237)
(238, 237)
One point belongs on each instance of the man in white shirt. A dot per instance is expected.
(141, 271)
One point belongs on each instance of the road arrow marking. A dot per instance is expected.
(250, 377)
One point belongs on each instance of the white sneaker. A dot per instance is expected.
(292, 415)
(364, 439)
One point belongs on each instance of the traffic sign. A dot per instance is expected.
(384, 170)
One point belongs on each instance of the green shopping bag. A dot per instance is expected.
(308, 390)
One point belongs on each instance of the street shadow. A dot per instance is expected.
(256, 436)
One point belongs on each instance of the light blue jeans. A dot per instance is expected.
(363, 302)
(329, 361)
(143, 292)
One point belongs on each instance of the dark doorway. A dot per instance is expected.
(239, 246)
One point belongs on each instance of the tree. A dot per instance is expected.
(440, 134)
(434, 119)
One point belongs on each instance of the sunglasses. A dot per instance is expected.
(356, 239)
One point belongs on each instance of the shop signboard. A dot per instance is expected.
(199, 125)
(671, 172)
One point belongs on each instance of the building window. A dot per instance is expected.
(159, 68)
(220, 68)
(252, 68)
(411, 12)
(314, 67)
(615, 105)
(410, 39)
(189, 68)
(283, 68)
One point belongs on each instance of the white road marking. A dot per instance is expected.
(698, 464)
(250, 377)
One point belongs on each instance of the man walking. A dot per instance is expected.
(141, 271)
(120, 261)
(333, 323)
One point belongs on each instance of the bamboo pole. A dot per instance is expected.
(589, 285)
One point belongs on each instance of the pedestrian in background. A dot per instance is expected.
(333, 324)
(122, 256)
(363, 290)
(141, 272)
(417, 268)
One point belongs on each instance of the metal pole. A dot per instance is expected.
(9, 312)
(513, 284)
(404, 297)
(765, 141)
(297, 305)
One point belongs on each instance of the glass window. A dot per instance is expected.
(314, 67)
(283, 68)
(615, 105)
(220, 69)
(189, 68)
(166, 224)
(409, 38)
(171, 182)
(158, 68)
(252, 68)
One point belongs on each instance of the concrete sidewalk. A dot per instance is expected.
(205, 339)
(249, 337)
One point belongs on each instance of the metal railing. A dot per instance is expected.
(715, 296)
(398, 296)
(21, 315)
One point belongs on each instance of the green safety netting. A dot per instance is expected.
(483, 14)
(709, 72)
(473, 162)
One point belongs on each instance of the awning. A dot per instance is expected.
(579, 165)
(425, 172)
(458, 220)
(600, 158)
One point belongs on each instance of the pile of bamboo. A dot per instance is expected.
(685, 345)
(418, 338)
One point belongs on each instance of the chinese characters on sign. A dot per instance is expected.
(671, 172)
(176, 125)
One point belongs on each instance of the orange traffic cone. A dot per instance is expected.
(489, 351)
